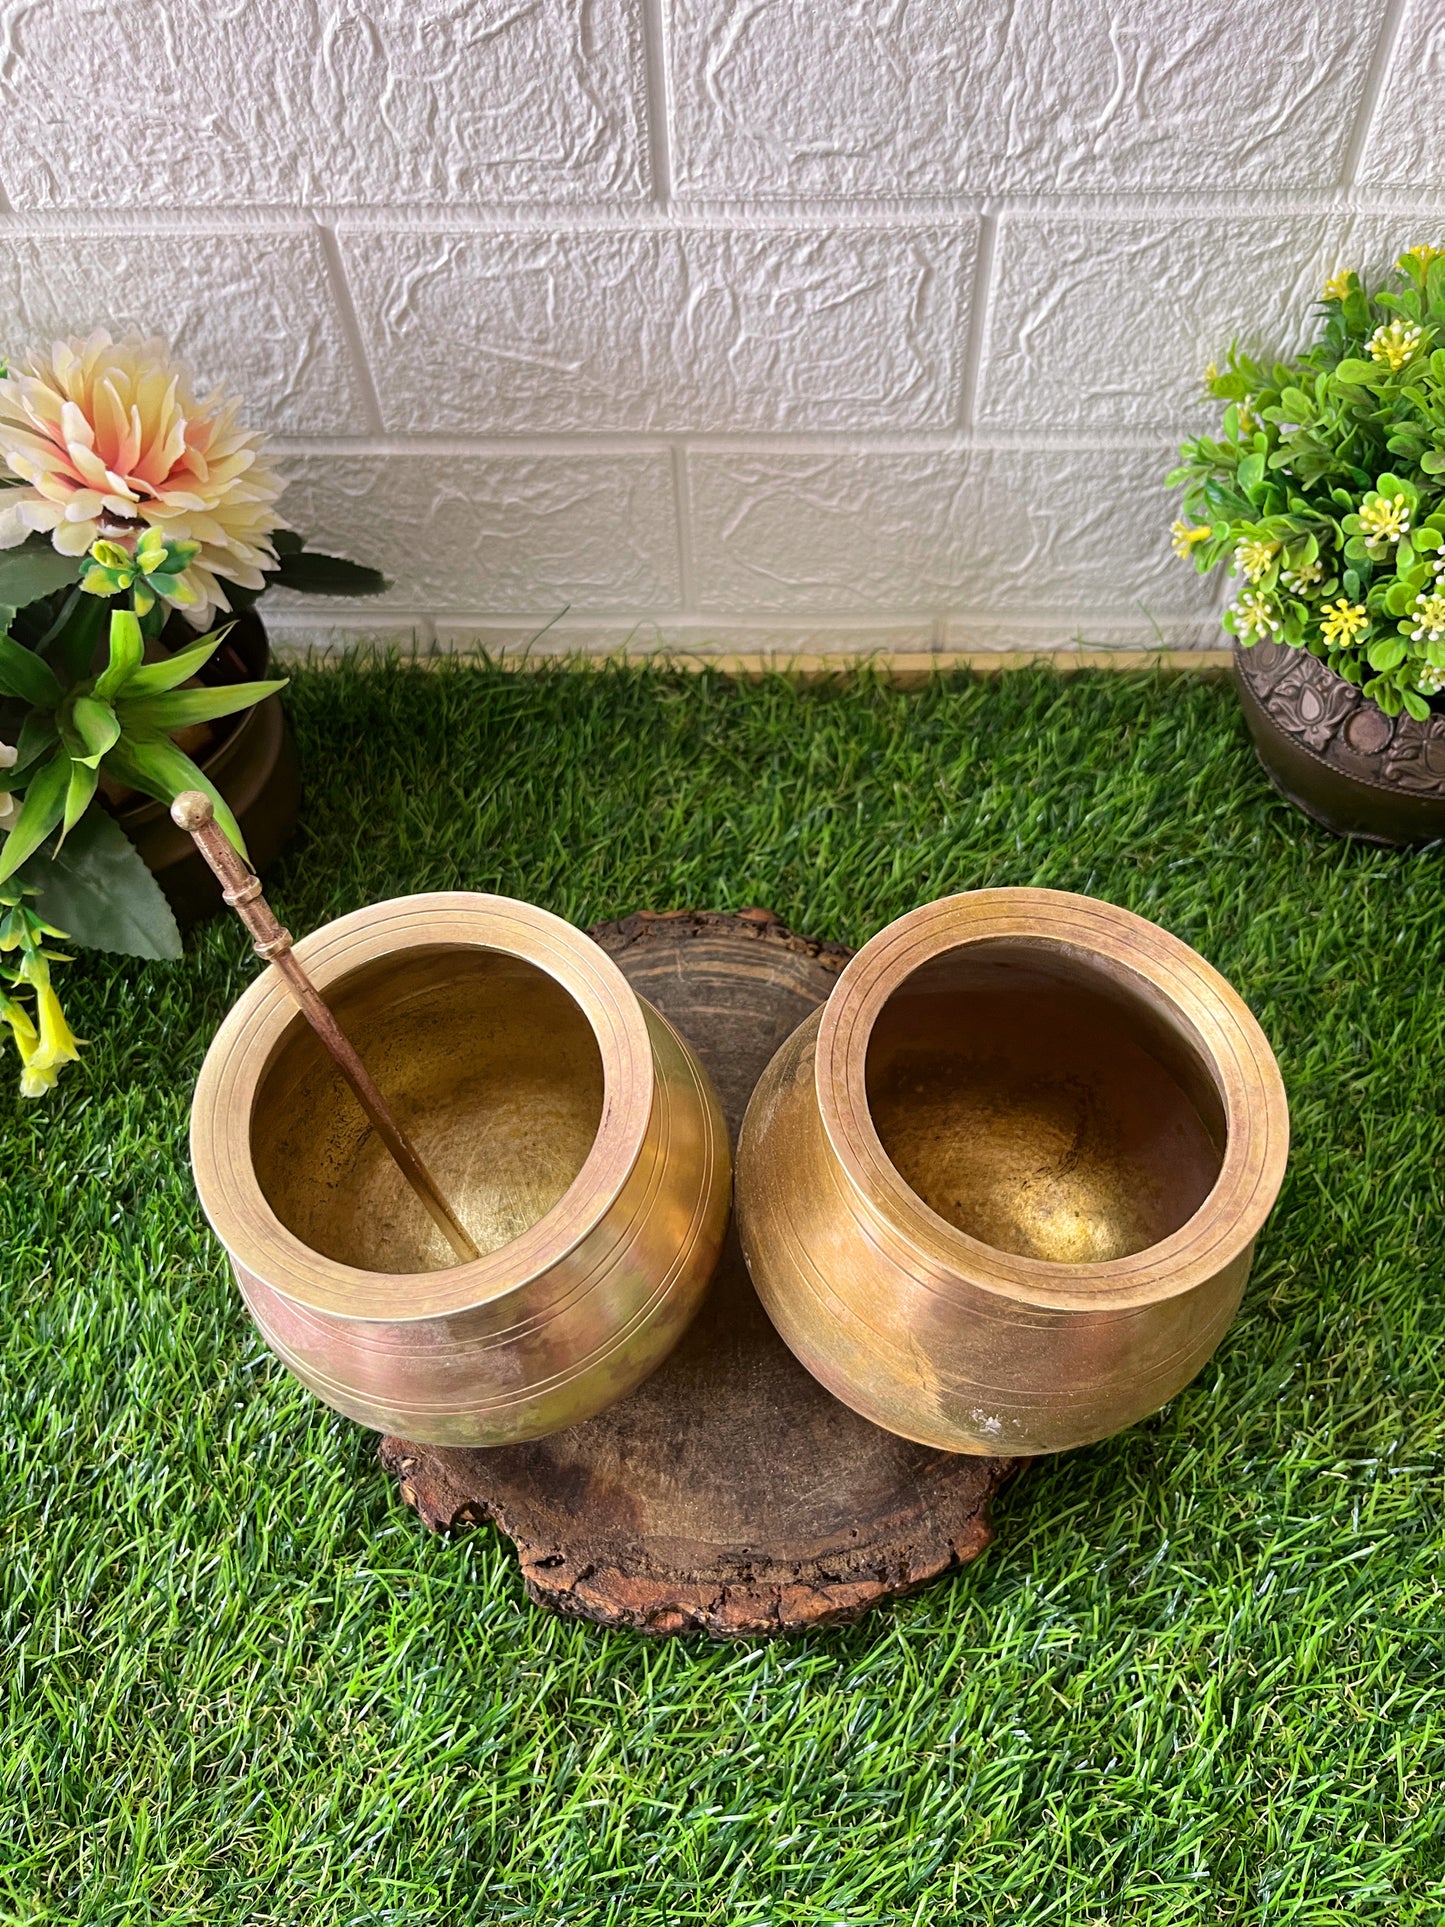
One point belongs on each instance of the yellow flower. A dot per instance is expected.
(1338, 285)
(1253, 558)
(1424, 254)
(57, 1044)
(1384, 518)
(1343, 623)
(35, 1080)
(1397, 343)
(1185, 538)
(104, 432)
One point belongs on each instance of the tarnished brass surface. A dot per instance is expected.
(1001, 1194)
(576, 1134)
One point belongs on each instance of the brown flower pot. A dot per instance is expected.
(253, 765)
(1334, 754)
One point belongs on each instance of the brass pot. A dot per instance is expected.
(575, 1132)
(1000, 1194)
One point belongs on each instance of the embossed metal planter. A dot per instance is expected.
(1001, 1194)
(578, 1136)
(1335, 755)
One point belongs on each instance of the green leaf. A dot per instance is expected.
(23, 674)
(127, 647)
(154, 677)
(1386, 654)
(30, 572)
(152, 764)
(70, 644)
(96, 725)
(1360, 374)
(1417, 705)
(326, 575)
(78, 794)
(182, 707)
(287, 542)
(100, 893)
(41, 810)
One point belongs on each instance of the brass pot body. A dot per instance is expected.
(577, 1135)
(1000, 1195)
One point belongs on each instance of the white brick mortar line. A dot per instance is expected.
(803, 217)
(979, 302)
(1387, 39)
(659, 105)
(751, 442)
(351, 329)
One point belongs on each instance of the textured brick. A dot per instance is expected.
(1038, 531)
(665, 329)
(186, 102)
(251, 313)
(507, 532)
(1108, 324)
(857, 98)
(1406, 144)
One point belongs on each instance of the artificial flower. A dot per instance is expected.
(1429, 613)
(1255, 617)
(1185, 538)
(1338, 285)
(106, 435)
(154, 568)
(1384, 518)
(1396, 343)
(1304, 577)
(1431, 680)
(1253, 557)
(1343, 623)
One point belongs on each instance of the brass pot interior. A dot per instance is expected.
(489, 1064)
(1043, 1104)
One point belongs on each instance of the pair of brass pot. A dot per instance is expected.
(1000, 1194)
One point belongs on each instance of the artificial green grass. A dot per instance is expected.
(1197, 1678)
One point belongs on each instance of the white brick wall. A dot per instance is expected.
(718, 323)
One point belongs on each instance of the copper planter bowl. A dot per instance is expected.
(1001, 1193)
(577, 1135)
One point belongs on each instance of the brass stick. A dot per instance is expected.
(241, 889)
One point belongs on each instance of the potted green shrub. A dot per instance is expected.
(1324, 493)
(132, 516)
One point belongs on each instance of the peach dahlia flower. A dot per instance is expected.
(110, 429)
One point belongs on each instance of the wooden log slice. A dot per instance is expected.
(730, 1494)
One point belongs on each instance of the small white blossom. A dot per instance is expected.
(1252, 558)
(1429, 613)
(1430, 681)
(1304, 578)
(1397, 343)
(1254, 617)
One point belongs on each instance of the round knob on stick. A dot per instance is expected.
(192, 811)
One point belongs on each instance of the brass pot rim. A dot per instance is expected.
(245, 1044)
(1224, 1030)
